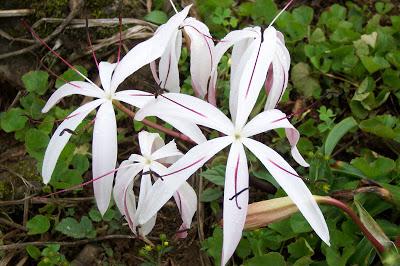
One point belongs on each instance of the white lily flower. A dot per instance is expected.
(150, 163)
(201, 60)
(104, 153)
(238, 132)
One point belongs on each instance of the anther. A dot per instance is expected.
(153, 174)
(236, 196)
(70, 131)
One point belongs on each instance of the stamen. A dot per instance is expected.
(173, 6)
(280, 13)
(85, 183)
(283, 169)
(237, 194)
(36, 36)
(190, 109)
(120, 39)
(151, 173)
(90, 43)
(295, 113)
(184, 168)
(57, 76)
(70, 131)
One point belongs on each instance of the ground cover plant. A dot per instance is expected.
(319, 80)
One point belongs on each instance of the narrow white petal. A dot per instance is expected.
(254, 74)
(123, 191)
(186, 127)
(272, 119)
(186, 201)
(104, 151)
(135, 98)
(149, 50)
(106, 70)
(293, 185)
(168, 66)
(145, 187)
(73, 87)
(61, 137)
(153, 68)
(201, 54)
(236, 197)
(179, 172)
(146, 140)
(190, 108)
(169, 150)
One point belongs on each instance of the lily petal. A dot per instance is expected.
(236, 197)
(168, 66)
(201, 54)
(123, 191)
(135, 98)
(145, 187)
(149, 50)
(272, 119)
(179, 172)
(254, 74)
(169, 150)
(73, 87)
(60, 137)
(106, 70)
(104, 149)
(146, 140)
(293, 185)
(187, 107)
(186, 200)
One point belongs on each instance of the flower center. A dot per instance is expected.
(237, 135)
(147, 161)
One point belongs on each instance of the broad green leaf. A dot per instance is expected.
(71, 75)
(382, 126)
(300, 248)
(317, 36)
(36, 81)
(303, 81)
(299, 224)
(373, 64)
(243, 250)
(157, 16)
(213, 245)
(215, 174)
(70, 227)
(264, 11)
(377, 169)
(95, 215)
(33, 252)
(372, 226)
(269, 259)
(36, 142)
(38, 225)
(338, 131)
(210, 194)
(13, 120)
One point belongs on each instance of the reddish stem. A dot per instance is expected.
(167, 131)
(355, 218)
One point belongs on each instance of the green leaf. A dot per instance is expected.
(71, 75)
(373, 64)
(215, 174)
(269, 259)
(243, 250)
(213, 245)
(300, 248)
(303, 15)
(376, 169)
(70, 227)
(372, 226)
(36, 81)
(13, 120)
(36, 142)
(382, 126)
(317, 36)
(33, 252)
(299, 224)
(38, 225)
(264, 11)
(95, 215)
(157, 16)
(303, 81)
(210, 194)
(338, 131)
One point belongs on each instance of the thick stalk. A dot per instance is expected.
(354, 217)
(165, 130)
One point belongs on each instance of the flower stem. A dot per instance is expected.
(354, 217)
(167, 131)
